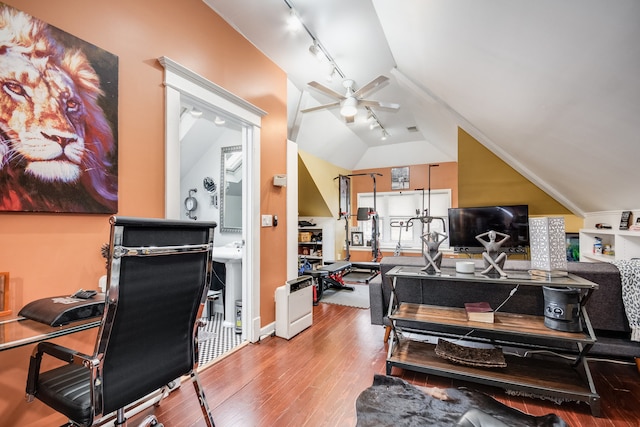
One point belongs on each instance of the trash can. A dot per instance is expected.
(238, 316)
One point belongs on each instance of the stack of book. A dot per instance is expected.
(479, 312)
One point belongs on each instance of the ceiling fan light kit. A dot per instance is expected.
(352, 99)
(349, 107)
(349, 102)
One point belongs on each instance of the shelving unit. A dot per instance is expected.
(555, 377)
(625, 243)
(320, 245)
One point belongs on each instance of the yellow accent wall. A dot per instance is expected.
(484, 180)
(318, 192)
(310, 199)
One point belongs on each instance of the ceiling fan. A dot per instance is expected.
(350, 101)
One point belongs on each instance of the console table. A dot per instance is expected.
(545, 373)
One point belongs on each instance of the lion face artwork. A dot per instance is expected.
(57, 149)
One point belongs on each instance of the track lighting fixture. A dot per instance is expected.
(317, 52)
(331, 73)
(293, 22)
(349, 103)
(314, 49)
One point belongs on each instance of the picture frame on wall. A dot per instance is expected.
(5, 310)
(357, 238)
(71, 163)
(400, 178)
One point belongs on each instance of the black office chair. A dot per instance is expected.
(159, 274)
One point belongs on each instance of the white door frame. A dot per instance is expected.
(180, 81)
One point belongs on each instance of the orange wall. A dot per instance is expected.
(52, 254)
(443, 176)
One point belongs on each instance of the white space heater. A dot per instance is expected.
(294, 307)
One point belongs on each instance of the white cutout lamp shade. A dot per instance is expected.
(548, 244)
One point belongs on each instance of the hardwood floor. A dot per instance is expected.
(315, 378)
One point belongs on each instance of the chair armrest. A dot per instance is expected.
(59, 352)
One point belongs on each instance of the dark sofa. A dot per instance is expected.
(605, 308)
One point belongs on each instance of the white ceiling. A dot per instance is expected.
(549, 86)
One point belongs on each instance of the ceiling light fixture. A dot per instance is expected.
(195, 112)
(349, 107)
(316, 45)
(294, 24)
(219, 121)
(374, 123)
(331, 73)
(317, 52)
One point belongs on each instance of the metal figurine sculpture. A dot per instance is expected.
(432, 256)
(493, 258)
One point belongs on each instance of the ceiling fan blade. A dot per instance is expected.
(320, 107)
(375, 84)
(379, 104)
(332, 93)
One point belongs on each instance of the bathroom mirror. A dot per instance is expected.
(231, 189)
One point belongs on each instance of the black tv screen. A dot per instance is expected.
(466, 223)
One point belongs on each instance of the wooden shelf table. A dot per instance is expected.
(562, 373)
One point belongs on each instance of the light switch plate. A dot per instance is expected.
(267, 220)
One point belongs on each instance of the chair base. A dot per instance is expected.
(204, 406)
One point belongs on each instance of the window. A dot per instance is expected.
(397, 209)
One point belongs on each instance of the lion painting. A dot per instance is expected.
(57, 150)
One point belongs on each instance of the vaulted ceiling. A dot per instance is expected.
(549, 86)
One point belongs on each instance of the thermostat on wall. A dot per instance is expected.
(280, 180)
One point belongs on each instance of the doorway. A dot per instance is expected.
(184, 92)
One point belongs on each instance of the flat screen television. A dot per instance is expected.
(466, 223)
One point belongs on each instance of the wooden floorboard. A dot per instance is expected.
(314, 380)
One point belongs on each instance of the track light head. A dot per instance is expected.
(293, 22)
(317, 52)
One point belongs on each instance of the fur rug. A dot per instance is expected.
(392, 401)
